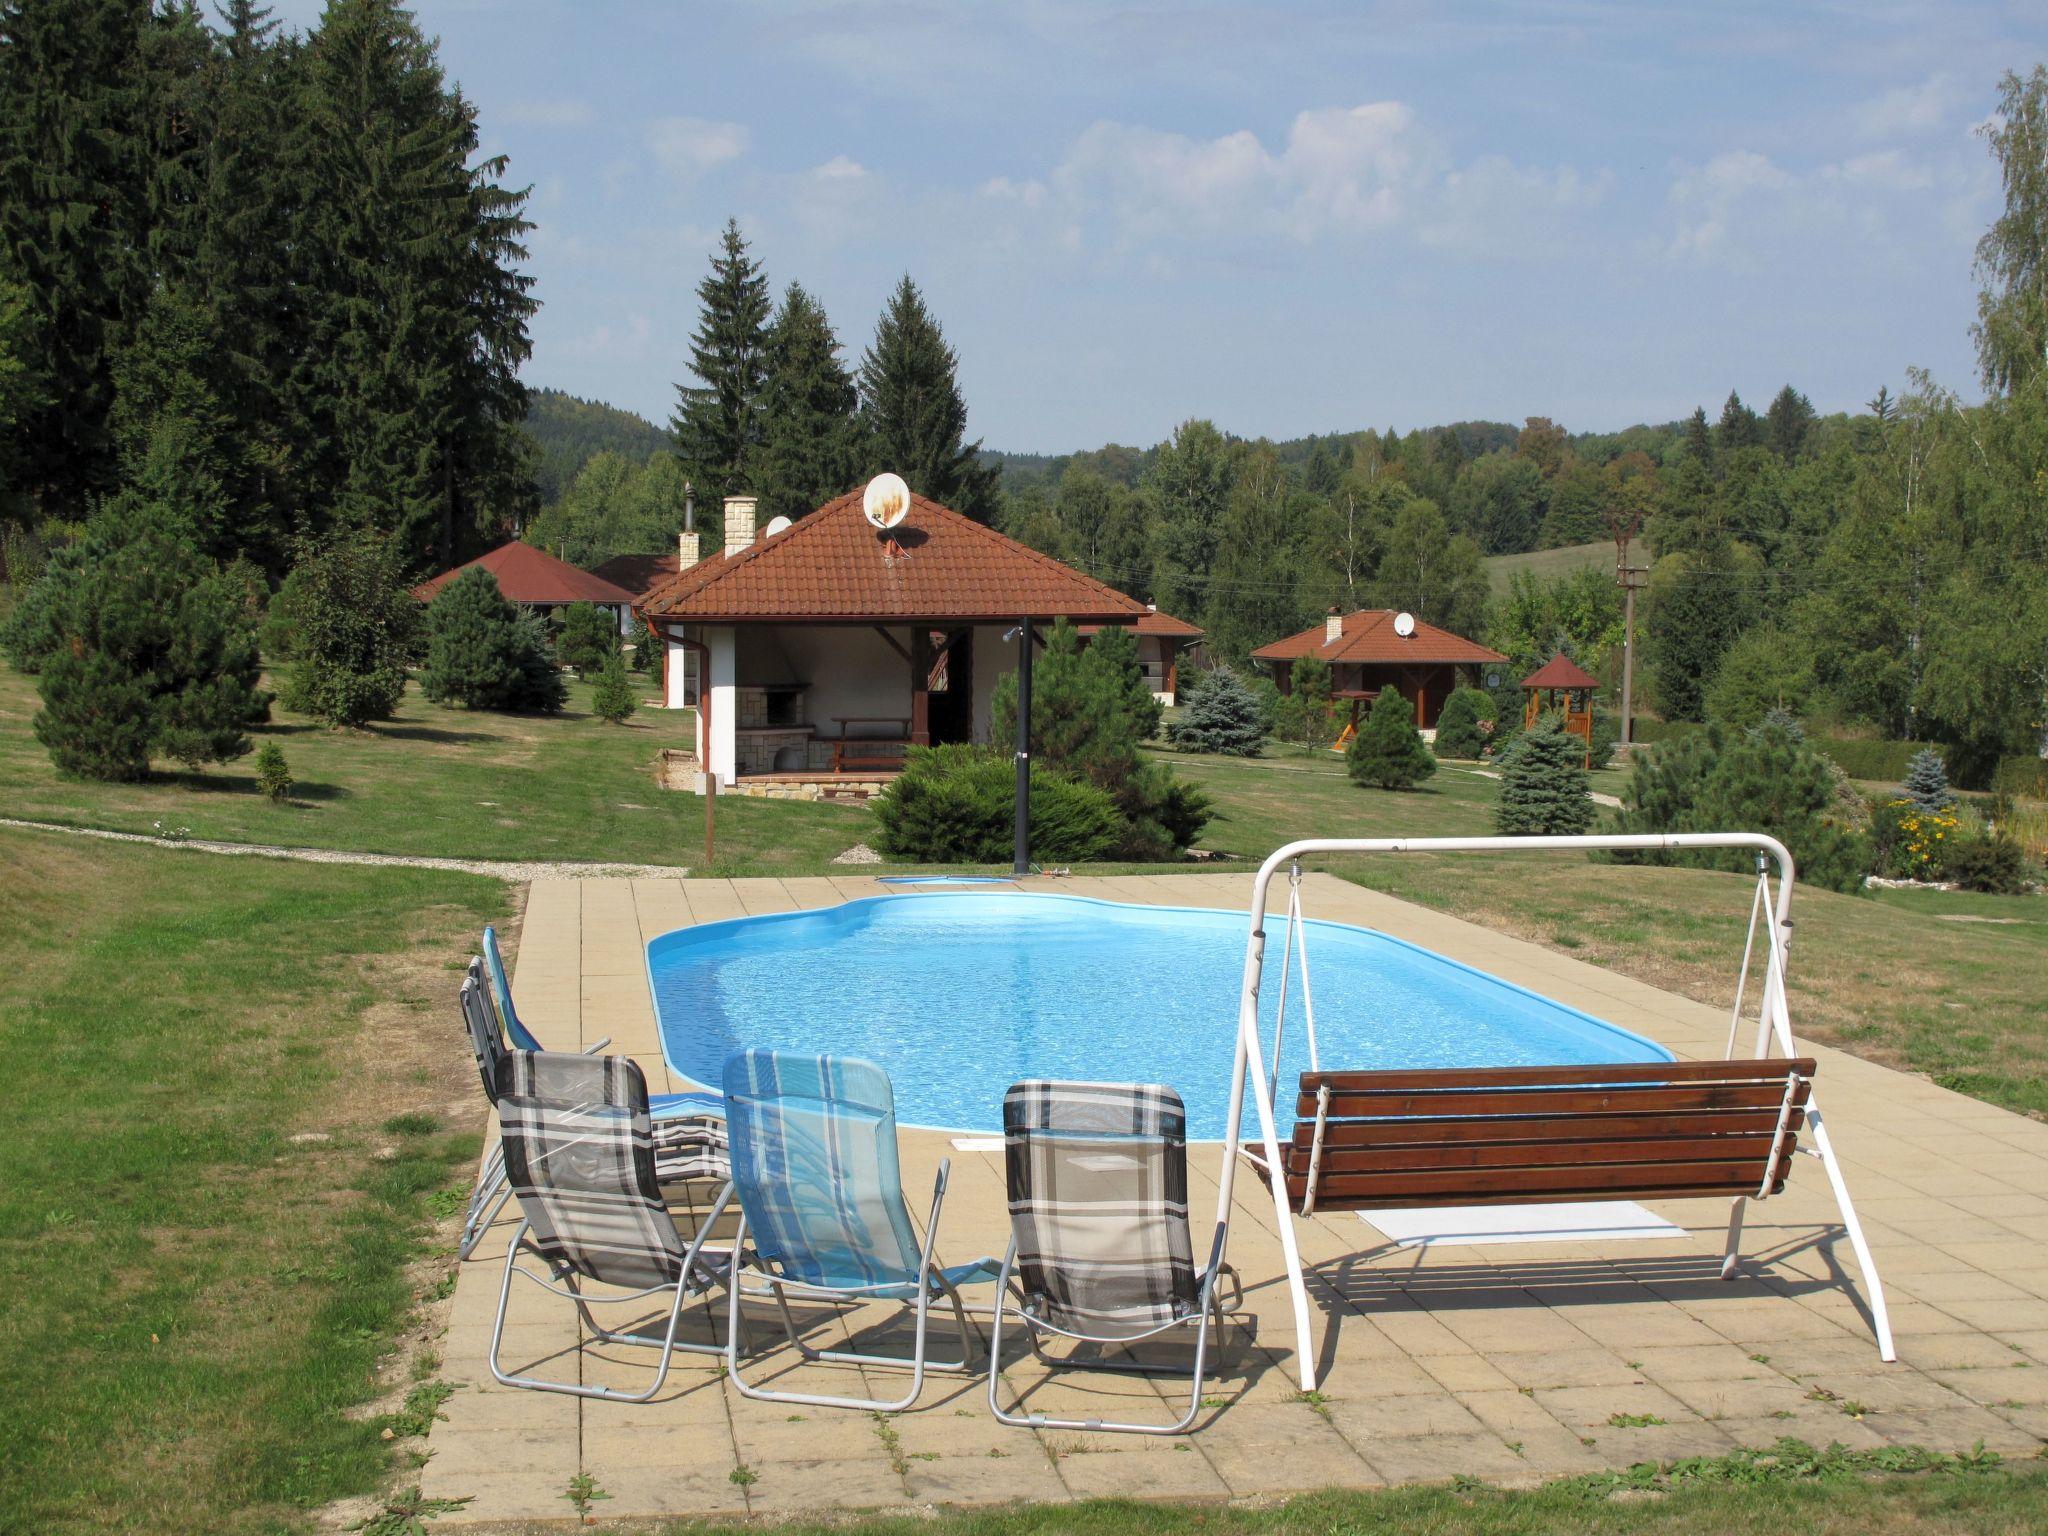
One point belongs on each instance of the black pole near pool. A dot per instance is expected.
(1023, 864)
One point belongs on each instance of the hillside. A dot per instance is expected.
(1549, 563)
(570, 431)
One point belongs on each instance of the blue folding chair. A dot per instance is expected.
(821, 1195)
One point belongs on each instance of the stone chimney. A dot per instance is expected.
(1333, 628)
(688, 551)
(739, 523)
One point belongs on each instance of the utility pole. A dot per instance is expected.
(1022, 865)
(1625, 522)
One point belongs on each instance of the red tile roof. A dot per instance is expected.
(639, 574)
(529, 575)
(1154, 623)
(1368, 636)
(1560, 672)
(832, 566)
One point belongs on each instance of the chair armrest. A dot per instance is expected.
(598, 1048)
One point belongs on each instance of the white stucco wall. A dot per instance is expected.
(851, 670)
(718, 754)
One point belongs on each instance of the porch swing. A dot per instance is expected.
(1372, 1140)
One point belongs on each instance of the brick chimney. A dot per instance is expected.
(739, 523)
(1333, 628)
(689, 546)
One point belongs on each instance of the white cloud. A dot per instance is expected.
(1912, 109)
(1739, 205)
(840, 168)
(690, 146)
(1707, 198)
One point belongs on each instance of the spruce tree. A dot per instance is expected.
(1787, 423)
(589, 637)
(1218, 713)
(155, 653)
(73, 224)
(353, 629)
(911, 413)
(473, 648)
(1464, 727)
(1388, 750)
(612, 699)
(1544, 790)
(1926, 782)
(1699, 438)
(1739, 427)
(810, 440)
(717, 424)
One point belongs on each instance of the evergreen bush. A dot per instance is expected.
(587, 637)
(1388, 750)
(612, 699)
(645, 646)
(1544, 789)
(956, 805)
(1987, 862)
(155, 651)
(273, 774)
(1926, 782)
(482, 653)
(351, 626)
(1219, 713)
(1304, 716)
(1465, 728)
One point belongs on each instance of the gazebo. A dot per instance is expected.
(1563, 686)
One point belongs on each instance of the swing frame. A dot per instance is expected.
(1771, 911)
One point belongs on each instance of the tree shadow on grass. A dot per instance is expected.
(431, 733)
(196, 782)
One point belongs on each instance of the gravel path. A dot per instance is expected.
(520, 871)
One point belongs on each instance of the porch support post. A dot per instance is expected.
(1022, 865)
(920, 687)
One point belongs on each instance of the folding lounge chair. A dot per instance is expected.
(579, 1153)
(821, 1196)
(689, 1133)
(1099, 1248)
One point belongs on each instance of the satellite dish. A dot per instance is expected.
(1404, 624)
(775, 526)
(886, 501)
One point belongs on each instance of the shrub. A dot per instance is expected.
(1220, 713)
(1304, 715)
(30, 634)
(155, 650)
(1907, 843)
(612, 699)
(1763, 781)
(1982, 861)
(1388, 750)
(1926, 782)
(273, 774)
(645, 646)
(1543, 787)
(1465, 728)
(1089, 711)
(956, 805)
(588, 636)
(345, 615)
(482, 653)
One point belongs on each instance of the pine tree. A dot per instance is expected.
(1787, 423)
(1218, 713)
(1544, 790)
(1320, 475)
(1304, 716)
(717, 424)
(1926, 782)
(482, 653)
(155, 654)
(1699, 438)
(588, 638)
(1464, 726)
(273, 774)
(612, 699)
(73, 225)
(911, 412)
(1739, 427)
(353, 629)
(810, 441)
(1388, 751)
(646, 648)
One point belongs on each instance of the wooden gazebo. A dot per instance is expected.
(1563, 686)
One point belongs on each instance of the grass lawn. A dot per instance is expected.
(1549, 564)
(443, 782)
(197, 1305)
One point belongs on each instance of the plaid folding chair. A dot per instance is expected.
(1099, 1248)
(689, 1128)
(579, 1155)
(821, 1195)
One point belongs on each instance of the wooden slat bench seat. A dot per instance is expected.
(1534, 1135)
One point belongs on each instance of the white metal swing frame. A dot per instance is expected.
(1772, 912)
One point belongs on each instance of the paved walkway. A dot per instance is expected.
(1510, 1363)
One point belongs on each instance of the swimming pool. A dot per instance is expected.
(959, 994)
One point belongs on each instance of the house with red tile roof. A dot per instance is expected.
(818, 651)
(533, 578)
(1162, 641)
(1377, 648)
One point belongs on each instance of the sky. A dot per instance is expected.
(1288, 218)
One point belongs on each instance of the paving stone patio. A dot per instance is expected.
(1511, 1363)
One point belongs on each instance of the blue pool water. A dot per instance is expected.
(960, 994)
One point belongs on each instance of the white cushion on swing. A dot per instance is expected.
(1583, 1221)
